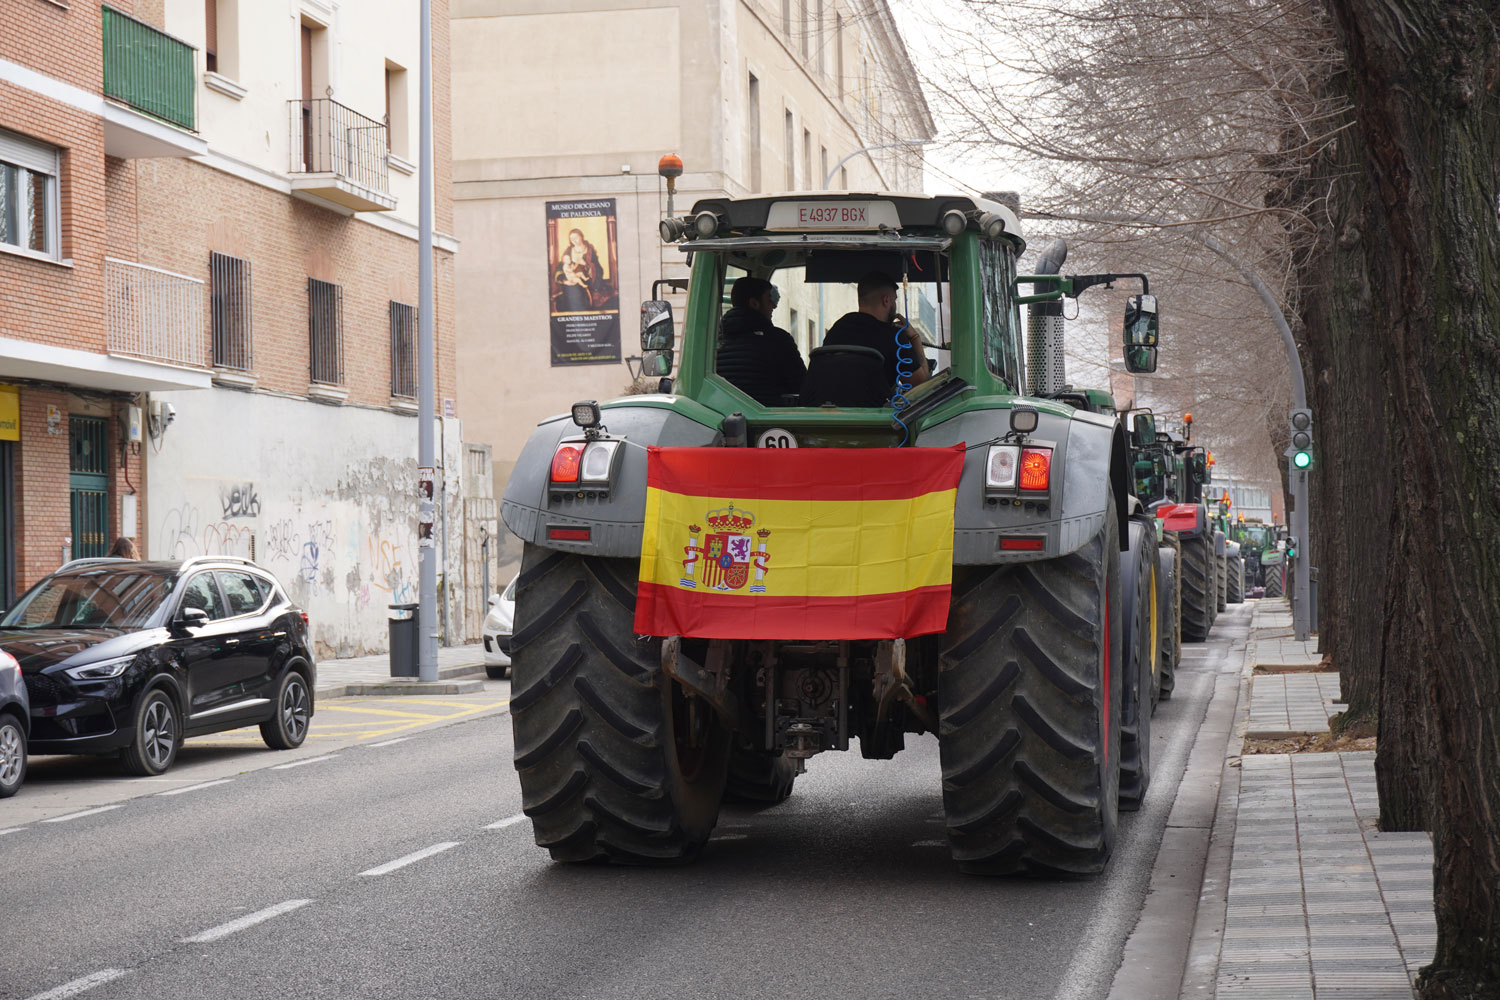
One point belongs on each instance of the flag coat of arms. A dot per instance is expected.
(807, 543)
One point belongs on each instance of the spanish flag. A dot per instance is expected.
(797, 543)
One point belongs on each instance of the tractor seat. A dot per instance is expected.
(845, 375)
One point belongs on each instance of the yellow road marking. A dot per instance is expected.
(319, 730)
(382, 711)
(429, 701)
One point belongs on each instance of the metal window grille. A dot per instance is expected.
(325, 327)
(229, 291)
(88, 469)
(403, 350)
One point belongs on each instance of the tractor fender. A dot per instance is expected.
(1089, 462)
(614, 516)
(1187, 519)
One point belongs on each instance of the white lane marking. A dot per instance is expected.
(412, 858)
(79, 815)
(507, 821)
(248, 920)
(81, 985)
(304, 760)
(194, 788)
(13, 829)
(386, 743)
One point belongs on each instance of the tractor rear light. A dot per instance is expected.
(566, 462)
(1001, 466)
(598, 462)
(1023, 544)
(568, 533)
(1036, 469)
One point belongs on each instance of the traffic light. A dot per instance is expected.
(1301, 439)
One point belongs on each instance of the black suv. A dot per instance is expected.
(132, 657)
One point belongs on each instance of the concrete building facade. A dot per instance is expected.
(237, 254)
(754, 95)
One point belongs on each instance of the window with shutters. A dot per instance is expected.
(28, 195)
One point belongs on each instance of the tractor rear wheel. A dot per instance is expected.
(1169, 601)
(1223, 583)
(1236, 580)
(1198, 585)
(1140, 645)
(616, 761)
(1275, 579)
(1030, 686)
(759, 778)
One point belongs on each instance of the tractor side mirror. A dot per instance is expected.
(1200, 469)
(657, 330)
(1143, 429)
(1142, 329)
(655, 364)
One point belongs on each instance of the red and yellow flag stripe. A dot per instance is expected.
(827, 543)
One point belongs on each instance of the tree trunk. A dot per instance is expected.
(1426, 84)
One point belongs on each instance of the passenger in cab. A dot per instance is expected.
(874, 325)
(759, 358)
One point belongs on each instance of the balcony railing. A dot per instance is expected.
(148, 69)
(328, 138)
(155, 314)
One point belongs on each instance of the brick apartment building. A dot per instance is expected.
(208, 289)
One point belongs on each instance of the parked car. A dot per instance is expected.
(129, 657)
(15, 722)
(498, 624)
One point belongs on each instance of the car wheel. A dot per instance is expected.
(287, 728)
(12, 755)
(158, 734)
(497, 673)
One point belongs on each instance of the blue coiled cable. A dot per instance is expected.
(904, 367)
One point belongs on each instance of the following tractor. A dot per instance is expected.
(627, 742)
(1176, 499)
(1234, 563)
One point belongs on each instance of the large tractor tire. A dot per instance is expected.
(616, 762)
(1030, 688)
(759, 778)
(1169, 599)
(1236, 580)
(1198, 587)
(1275, 579)
(1223, 583)
(1140, 644)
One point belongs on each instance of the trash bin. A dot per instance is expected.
(403, 635)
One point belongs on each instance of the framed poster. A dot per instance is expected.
(585, 282)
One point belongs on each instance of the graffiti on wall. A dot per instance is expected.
(239, 500)
(185, 534)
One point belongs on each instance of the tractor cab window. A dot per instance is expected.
(997, 271)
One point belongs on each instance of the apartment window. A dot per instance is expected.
(403, 350)
(754, 133)
(397, 120)
(817, 26)
(807, 177)
(843, 178)
(786, 17)
(822, 177)
(806, 31)
(812, 335)
(325, 327)
(229, 297)
(28, 194)
(791, 154)
(794, 324)
(838, 51)
(221, 37)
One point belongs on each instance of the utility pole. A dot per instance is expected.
(427, 376)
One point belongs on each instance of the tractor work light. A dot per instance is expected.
(992, 224)
(706, 223)
(1023, 419)
(954, 222)
(1036, 469)
(671, 230)
(586, 414)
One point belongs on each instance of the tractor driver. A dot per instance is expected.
(874, 325)
(758, 357)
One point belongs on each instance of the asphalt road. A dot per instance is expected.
(405, 870)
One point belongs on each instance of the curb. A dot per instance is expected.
(460, 674)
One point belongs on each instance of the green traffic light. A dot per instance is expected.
(1302, 459)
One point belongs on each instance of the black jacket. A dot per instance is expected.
(864, 330)
(760, 359)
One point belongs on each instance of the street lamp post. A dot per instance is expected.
(829, 180)
(426, 376)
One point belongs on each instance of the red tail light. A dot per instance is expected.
(565, 463)
(305, 622)
(1023, 544)
(1036, 468)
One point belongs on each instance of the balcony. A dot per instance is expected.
(338, 156)
(155, 315)
(148, 78)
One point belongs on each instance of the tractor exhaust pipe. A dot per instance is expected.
(1046, 374)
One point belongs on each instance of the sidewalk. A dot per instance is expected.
(1320, 904)
(460, 671)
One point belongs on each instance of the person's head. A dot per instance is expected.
(124, 548)
(755, 293)
(877, 295)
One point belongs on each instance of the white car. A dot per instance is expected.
(498, 624)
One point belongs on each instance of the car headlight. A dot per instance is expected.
(101, 671)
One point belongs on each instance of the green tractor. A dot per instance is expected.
(1176, 473)
(1234, 563)
(626, 744)
(1264, 549)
